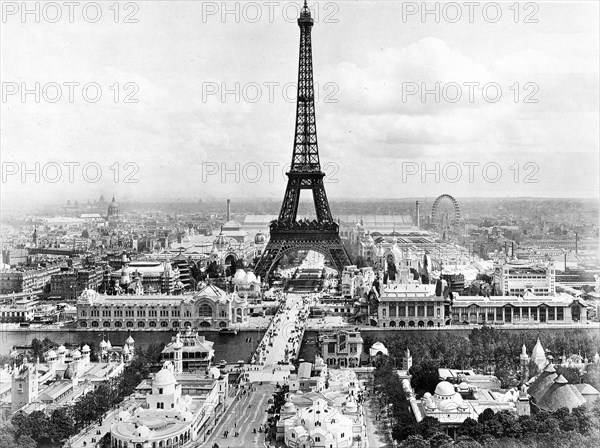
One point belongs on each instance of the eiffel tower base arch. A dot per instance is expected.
(281, 243)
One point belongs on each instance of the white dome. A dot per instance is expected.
(221, 242)
(103, 344)
(86, 348)
(426, 395)
(164, 378)
(251, 278)
(214, 372)
(240, 275)
(289, 407)
(76, 354)
(130, 340)
(62, 349)
(142, 431)
(187, 416)
(259, 238)
(51, 354)
(444, 389)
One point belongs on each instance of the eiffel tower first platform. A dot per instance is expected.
(288, 234)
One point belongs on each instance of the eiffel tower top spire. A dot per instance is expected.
(286, 233)
(305, 171)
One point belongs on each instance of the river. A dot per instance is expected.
(231, 348)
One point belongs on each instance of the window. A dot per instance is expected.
(141, 313)
(317, 439)
(411, 311)
(331, 347)
(551, 313)
(430, 312)
(402, 311)
(205, 310)
(420, 311)
(106, 313)
(560, 313)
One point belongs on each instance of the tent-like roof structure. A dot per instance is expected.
(542, 382)
(561, 394)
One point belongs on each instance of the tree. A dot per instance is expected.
(39, 426)
(471, 428)
(466, 442)
(425, 377)
(592, 375)
(62, 425)
(571, 374)
(486, 415)
(439, 439)
(584, 419)
(428, 427)
(414, 442)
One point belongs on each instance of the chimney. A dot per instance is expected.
(228, 209)
(512, 249)
(417, 213)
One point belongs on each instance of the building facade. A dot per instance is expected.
(22, 310)
(513, 279)
(210, 307)
(342, 348)
(407, 305)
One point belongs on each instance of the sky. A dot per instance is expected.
(186, 100)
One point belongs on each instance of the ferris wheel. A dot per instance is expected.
(445, 215)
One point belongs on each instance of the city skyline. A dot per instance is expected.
(183, 139)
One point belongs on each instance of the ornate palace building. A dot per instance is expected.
(175, 409)
(417, 305)
(210, 307)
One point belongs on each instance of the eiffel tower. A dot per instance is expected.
(288, 234)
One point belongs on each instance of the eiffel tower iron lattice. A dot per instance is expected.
(286, 233)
